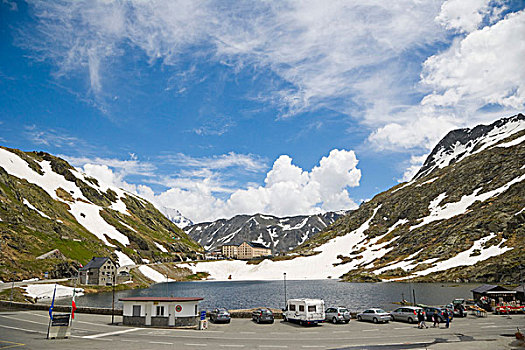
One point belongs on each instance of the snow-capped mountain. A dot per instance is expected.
(46, 204)
(279, 234)
(461, 143)
(461, 219)
(176, 217)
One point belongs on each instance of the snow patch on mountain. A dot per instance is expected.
(30, 206)
(320, 266)
(450, 210)
(462, 143)
(123, 259)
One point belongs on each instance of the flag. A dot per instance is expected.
(52, 303)
(73, 305)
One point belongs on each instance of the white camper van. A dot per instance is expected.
(304, 311)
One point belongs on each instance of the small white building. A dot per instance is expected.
(160, 311)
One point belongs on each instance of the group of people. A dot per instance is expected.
(435, 318)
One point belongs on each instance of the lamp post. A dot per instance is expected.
(284, 274)
(113, 301)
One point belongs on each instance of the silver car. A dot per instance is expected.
(337, 314)
(406, 313)
(374, 315)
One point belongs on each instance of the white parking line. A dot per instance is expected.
(404, 328)
(313, 346)
(232, 346)
(247, 332)
(273, 346)
(370, 330)
(160, 342)
(190, 344)
(340, 331)
(100, 335)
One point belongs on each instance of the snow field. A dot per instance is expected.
(45, 291)
(153, 275)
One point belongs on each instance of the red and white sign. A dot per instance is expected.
(178, 308)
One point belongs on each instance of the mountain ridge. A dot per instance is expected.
(46, 204)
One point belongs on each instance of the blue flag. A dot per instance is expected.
(52, 303)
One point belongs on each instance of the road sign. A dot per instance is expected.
(203, 315)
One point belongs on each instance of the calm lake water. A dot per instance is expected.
(251, 294)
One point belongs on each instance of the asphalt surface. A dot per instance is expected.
(27, 330)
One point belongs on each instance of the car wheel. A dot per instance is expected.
(346, 321)
(334, 320)
(271, 321)
(410, 320)
(359, 318)
(374, 320)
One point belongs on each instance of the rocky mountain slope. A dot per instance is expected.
(279, 234)
(47, 204)
(462, 218)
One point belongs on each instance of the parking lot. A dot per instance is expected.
(27, 330)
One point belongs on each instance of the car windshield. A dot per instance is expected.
(380, 311)
(268, 312)
(343, 310)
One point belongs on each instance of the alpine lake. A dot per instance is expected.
(252, 294)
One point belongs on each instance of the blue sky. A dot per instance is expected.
(219, 108)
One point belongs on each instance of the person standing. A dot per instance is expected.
(421, 320)
(447, 319)
(435, 318)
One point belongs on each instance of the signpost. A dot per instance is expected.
(203, 324)
(59, 327)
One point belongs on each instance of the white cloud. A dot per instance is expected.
(359, 58)
(463, 15)
(486, 67)
(287, 189)
(247, 162)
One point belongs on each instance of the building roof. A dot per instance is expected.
(257, 245)
(179, 299)
(487, 287)
(95, 263)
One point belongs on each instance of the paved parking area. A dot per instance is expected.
(27, 330)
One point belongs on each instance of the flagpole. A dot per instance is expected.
(51, 311)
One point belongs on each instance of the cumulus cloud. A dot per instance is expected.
(287, 189)
(463, 15)
(486, 67)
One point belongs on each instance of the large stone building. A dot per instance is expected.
(245, 250)
(98, 271)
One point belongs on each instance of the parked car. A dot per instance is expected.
(337, 314)
(406, 313)
(304, 311)
(374, 315)
(429, 311)
(220, 315)
(262, 315)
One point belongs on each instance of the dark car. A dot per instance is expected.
(429, 311)
(262, 315)
(220, 315)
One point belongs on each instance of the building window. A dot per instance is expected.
(196, 310)
(160, 310)
(136, 310)
(312, 308)
(292, 307)
(301, 308)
